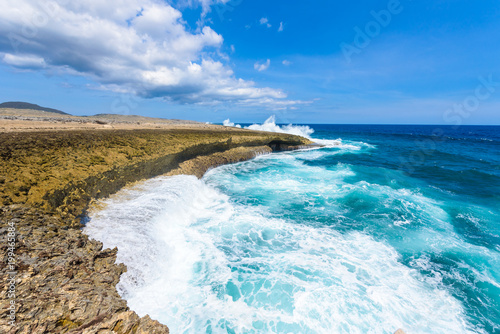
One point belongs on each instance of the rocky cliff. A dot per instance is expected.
(58, 280)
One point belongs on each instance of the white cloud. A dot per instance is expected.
(282, 27)
(141, 47)
(26, 61)
(286, 62)
(262, 67)
(265, 21)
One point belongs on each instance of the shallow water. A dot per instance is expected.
(387, 227)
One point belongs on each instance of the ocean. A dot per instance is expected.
(385, 227)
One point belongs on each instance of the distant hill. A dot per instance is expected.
(24, 105)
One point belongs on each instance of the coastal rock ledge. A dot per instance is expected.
(57, 279)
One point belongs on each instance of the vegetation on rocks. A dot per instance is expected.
(66, 282)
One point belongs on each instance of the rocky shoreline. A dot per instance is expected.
(63, 281)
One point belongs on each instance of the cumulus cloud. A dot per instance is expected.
(282, 27)
(142, 47)
(262, 67)
(265, 21)
(286, 62)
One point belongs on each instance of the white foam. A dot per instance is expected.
(200, 263)
(345, 146)
(270, 126)
(305, 131)
(228, 122)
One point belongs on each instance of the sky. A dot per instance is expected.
(337, 62)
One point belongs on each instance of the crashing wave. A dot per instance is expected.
(271, 126)
(227, 122)
(300, 130)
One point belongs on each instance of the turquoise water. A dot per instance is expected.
(386, 227)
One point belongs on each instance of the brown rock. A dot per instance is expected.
(65, 283)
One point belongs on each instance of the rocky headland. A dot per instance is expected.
(57, 280)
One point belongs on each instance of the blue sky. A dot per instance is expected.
(414, 62)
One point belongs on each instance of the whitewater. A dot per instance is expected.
(338, 239)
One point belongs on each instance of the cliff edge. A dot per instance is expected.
(58, 280)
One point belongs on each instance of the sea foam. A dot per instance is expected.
(302, 242)
(200, 262)
(305, 131)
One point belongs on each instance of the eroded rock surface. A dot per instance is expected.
(65, 282)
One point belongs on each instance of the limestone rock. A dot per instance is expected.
(65, 282)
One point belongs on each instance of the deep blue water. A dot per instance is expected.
(459, 169)
(385, 227)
